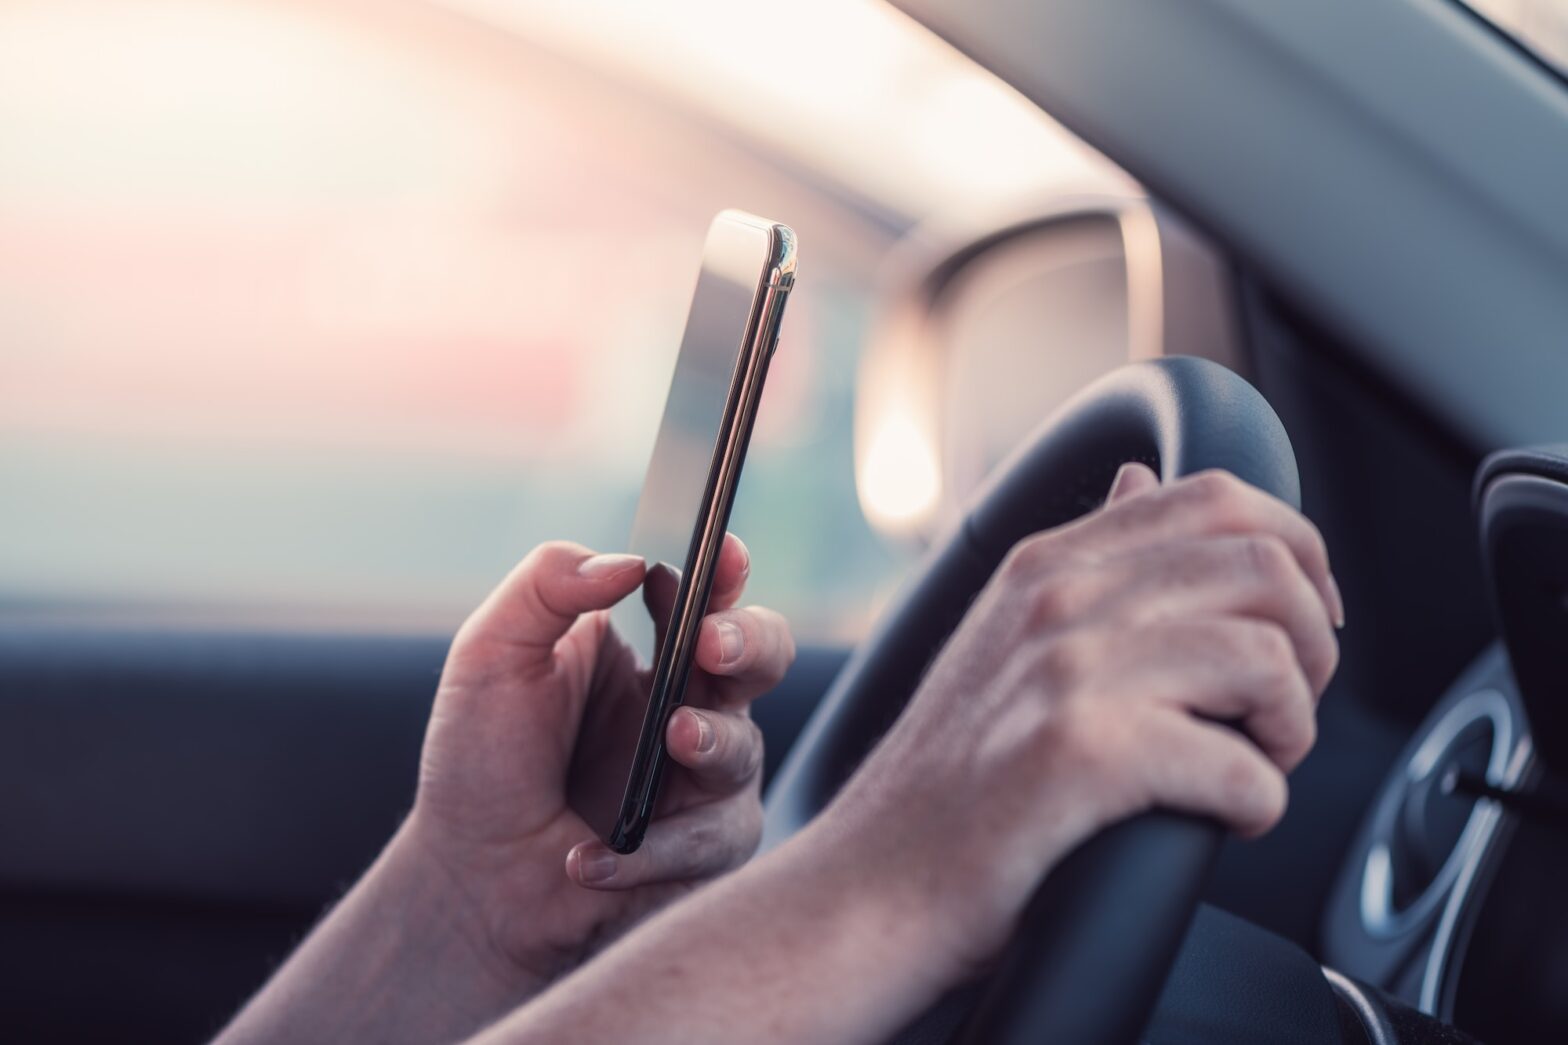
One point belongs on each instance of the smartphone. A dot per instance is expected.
(748, 270)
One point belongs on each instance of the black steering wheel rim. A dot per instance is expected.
(1096, 943)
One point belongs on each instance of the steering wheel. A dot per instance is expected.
(1098, 939)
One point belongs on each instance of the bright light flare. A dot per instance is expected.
(898, 477)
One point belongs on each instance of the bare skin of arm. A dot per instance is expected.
(497, 884)
(1082, 687)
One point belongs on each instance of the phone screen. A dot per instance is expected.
(673, 492)
(747, 270)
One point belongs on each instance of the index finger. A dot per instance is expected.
(729, 575)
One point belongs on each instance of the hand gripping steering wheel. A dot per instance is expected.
(1096, 942)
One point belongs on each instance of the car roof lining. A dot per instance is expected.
(1390, 165)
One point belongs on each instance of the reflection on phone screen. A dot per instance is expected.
(677, 482)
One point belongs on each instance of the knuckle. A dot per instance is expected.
(549, 553)
(1218, 491)
(1022, 559)
(754, 747)
(1057, 598)
(1225, 503)
(1299, 724)
(1306, 738)
(1253, 790)
(1274, 652)
(537, 555)
(1241, 782)
(1290, 739)
(1273, 797)
(1267, 557)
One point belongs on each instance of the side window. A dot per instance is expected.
(334, 310)
(304, 312)
(1540, 26)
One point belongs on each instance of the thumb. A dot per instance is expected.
(545, 594)
(1131, 479)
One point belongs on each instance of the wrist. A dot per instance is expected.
(880, 902)
(844, 957)
(446, 909)
(400, 958)
(954, 878)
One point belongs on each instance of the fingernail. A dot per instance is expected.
(599, 567)
(706, 737)
(596, 865)
(731, 642)
(1338, 608)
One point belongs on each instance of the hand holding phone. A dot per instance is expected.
(748, 270)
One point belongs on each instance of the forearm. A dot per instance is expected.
(401, 958)
(801, 945)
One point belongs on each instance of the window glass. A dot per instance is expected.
(334, 307)
(1539, 25)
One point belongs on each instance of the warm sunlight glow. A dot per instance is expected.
(851, 87)
(382, 293)
(898, 477)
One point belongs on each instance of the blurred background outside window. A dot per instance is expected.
(331, 310)
(1539, 26)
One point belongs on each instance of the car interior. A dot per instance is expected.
(230, 594)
